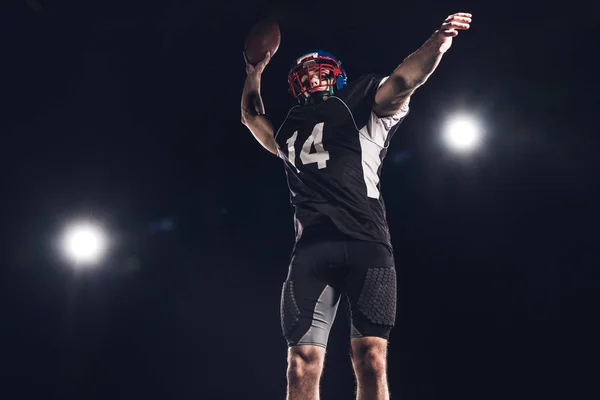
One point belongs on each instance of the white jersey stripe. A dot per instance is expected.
(376, 130)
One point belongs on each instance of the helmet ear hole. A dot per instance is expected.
(340, 81)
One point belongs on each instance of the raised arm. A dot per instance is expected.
(253, 109)
(417, 67)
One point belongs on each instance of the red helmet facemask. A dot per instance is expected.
(325, 68)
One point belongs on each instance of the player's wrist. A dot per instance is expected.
(254, 76)
(434, 42)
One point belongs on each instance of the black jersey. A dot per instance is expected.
(333, 152)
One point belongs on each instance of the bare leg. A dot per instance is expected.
(369, 360)
(305, 365)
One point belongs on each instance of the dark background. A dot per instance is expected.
(128, 112)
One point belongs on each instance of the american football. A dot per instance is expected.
(264, 36)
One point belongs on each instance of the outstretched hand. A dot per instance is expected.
(450, 28)
(258, 68)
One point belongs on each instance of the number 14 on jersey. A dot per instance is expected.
(319, 156)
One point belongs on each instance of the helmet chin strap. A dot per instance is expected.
(315, 97)
(318, 97)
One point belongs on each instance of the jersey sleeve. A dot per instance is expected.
(377, 129)
(389, 121)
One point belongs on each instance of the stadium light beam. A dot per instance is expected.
(84, 243)
(462, 133)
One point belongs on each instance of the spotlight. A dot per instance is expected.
(84, 243)
(462, 133)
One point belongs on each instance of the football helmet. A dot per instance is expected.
(326, 66)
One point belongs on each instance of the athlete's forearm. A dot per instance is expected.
(252, 103)
(417, 67)
(253, 114)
